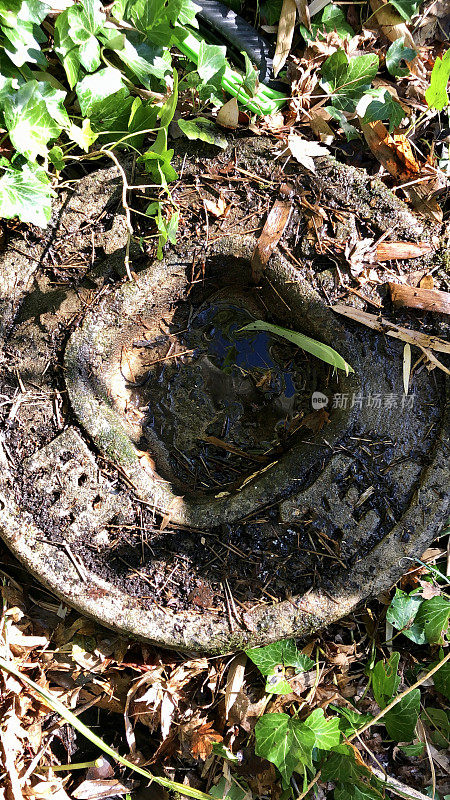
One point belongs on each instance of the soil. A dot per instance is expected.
(260, 559)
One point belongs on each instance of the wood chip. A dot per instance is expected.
(386, 251)
(425, 299)
(271, 234)
(422, 340)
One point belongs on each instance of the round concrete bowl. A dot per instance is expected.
(305, 479)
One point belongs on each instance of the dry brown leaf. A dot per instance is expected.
(395, 154)
(427, 282)
(285, 35)
(428, 590)
(235, 680)
(99, 789)
(228, 114)
(202, 740)
(10, 746)
(216, 208)
(319, 125)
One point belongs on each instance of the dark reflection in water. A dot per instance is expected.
(245, 391)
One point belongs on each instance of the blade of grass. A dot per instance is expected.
(317, 349)
(76, 723)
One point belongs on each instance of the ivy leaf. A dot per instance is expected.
(83, 136)
(402, 613)
(251, 79)
(104, 98)
(226, 790)
(332, 18)
(144, 61)
(441, 678)
(211, 62)
(23, 34)
(284, 652)
(33, 116)
(385, 681)
(406, 8)
(356, 791)
(25, 192)
(401, 720)
(203, 129)
(350, 719)
(85, 23)
(397, 53)
(436, 94)
(66, 49)
(272, 659)
(433, 615)
(347, 80)
(55, 156)
(284, 741)
(341, 765)
(379, 104)
(326, 731)
(143, 119)
(350, 131)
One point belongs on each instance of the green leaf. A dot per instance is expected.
(271, 659)
(350, 719)
(228, 790)
(341, 765)
(332, 18)
(23, 36)
(406, 8)
(251, 79)
(86, 20)
(25, 192)
(412, 750)
(397, 53)
(356, 791)
(385, 681)
(326, 731)
(203, 129)
(441, 678)
(143, 119)
(379, 104)
(440, 719)
(401, 720)
(83, 136)
(350, 131)
(34, 115)
(317, 349)
(105, 99)
(66, 49)
(402, 613)
(211, 62)
(433, 615)
(143, 61)
(55, 156)
(286, 742)
(347, 80)
(284, 652)
(436, 94)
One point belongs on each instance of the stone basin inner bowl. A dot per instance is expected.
(246, 390)
(371, 480)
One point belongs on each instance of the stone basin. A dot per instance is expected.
(151, 343)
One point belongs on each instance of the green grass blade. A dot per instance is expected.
(76, 723)
(317, 349)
